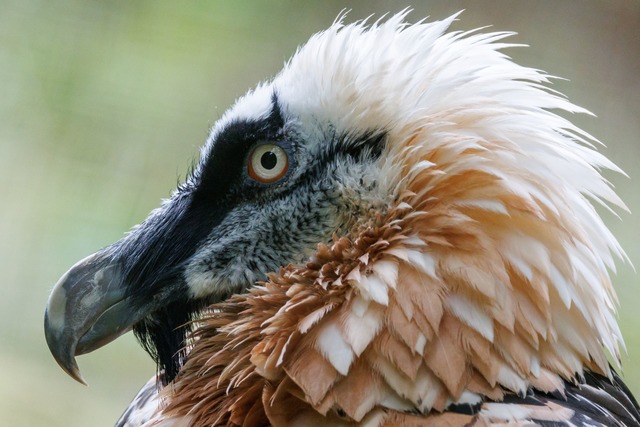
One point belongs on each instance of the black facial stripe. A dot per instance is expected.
(153, 253)
(224, 166)
(372, 143)
(367, 147)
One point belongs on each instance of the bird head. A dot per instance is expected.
(363, 122)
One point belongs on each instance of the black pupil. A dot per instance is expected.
(269, 160)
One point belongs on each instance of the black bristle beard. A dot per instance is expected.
(163, 334)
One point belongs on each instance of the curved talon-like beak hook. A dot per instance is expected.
(87, 309)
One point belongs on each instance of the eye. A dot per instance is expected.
(268, 163)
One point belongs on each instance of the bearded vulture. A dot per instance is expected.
(398, 229)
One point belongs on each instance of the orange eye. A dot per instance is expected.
(268, 163)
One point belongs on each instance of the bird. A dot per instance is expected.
(399, 228)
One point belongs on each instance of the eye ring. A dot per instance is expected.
(267, 163)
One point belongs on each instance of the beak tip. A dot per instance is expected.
(74, 373)
(71, 368)
(62, 349)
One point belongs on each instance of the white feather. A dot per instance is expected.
(359, 331)
(375, 288)
(471, 314)
(335, 348)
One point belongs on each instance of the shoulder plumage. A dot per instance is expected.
(143, 407)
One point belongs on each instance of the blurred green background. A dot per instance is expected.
(103, 106)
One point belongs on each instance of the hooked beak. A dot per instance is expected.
(136, 283)
(87, 309)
